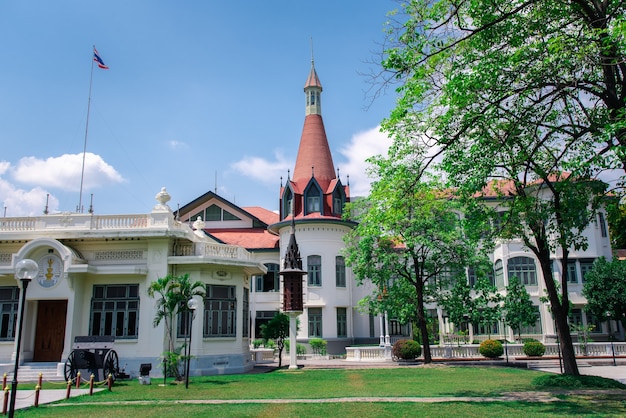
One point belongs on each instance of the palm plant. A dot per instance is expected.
(172, 293)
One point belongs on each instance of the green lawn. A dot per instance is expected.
(328, 384)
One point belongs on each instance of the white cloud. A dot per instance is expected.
(263, 170)
(174, 144)
(21, 202)
(362, 146)
(64, 172)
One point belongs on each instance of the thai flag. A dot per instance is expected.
(98, 60)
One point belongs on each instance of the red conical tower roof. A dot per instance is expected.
(314, 157)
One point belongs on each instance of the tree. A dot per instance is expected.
(173, 292)
(605, 289)
(509, 95)
(277, 329)
(518, 309)
(486, 304)
(408, 241)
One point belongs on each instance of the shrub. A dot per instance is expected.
(318, 346)
(491, 348)
(562, 381)
(406, 349)
(300, 348)
(257, 343)
(534, 349)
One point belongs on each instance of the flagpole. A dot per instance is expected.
(79, 208)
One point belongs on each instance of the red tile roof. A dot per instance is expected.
(314, 157)
(253, 238)
(264, 215)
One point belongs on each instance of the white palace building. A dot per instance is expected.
(94, 272)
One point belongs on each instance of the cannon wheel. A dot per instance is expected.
(70, 367)
(111, 364)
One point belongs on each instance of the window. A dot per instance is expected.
(340, 271)
(371, 323)
(472, 276)
(315, 322)
(585, 267)
(594, 322)
(262, 318)
(576, 317)
(270, 282)
(533, 329)
(216, 213)
(9, 302)
(313, 198)
(524, 269)
(220, 311)
(342, 323)
(183, 319)
(602, 223)
(314, 270)
(338, 199)
(115, 311)
(312, 204)
(499, 274)
(287, 202)
(246, 313)
(572, 272)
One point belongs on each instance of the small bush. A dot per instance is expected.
(534, 348)
(406, 349)
(257, 343)
(318, 346)
(300, 348)
(491, 348)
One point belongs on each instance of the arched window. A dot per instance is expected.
(524, 269)
(287, 202)
(313, 198)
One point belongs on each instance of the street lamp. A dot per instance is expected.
(192, 304)
(608, 321)
(25, 271)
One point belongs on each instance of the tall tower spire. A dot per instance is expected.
(314, 150)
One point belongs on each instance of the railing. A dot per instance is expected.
(75, 221)
(212, 250)
(469, 351)
(120, 222)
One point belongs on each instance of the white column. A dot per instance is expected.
(293, 352)
(382, 330)
(387, 341)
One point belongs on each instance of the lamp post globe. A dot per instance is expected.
(25, 271)
(192, 305)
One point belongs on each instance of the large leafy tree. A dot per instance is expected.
(408, 241)
(605, 289)
(520, 92)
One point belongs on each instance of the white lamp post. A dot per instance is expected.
(25, 271)
(192, 304)
(608, 322)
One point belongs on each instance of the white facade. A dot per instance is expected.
(94, 275)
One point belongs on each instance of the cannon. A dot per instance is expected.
(92, 355)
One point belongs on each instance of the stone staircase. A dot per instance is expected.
(29, 372)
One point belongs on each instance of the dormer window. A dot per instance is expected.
(287, 202)
(313, 198)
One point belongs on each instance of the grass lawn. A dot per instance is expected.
(324, 385)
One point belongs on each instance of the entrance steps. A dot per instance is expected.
(29, 372)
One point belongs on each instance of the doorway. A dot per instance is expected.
(50, 331)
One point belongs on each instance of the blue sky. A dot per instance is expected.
(199, 94)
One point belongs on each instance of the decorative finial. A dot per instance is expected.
(338, 173)
(91, 204)
(45, 211)
(312, 59)
(162, 197)
(281, 181)
(348, 177)
(288, 174)
(312, 171)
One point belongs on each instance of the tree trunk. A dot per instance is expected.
(560, 311)
(421, 321)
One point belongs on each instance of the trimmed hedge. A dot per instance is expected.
(407, 349)
(491, 348)
(534, 348)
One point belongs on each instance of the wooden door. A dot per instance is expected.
(50, 331)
